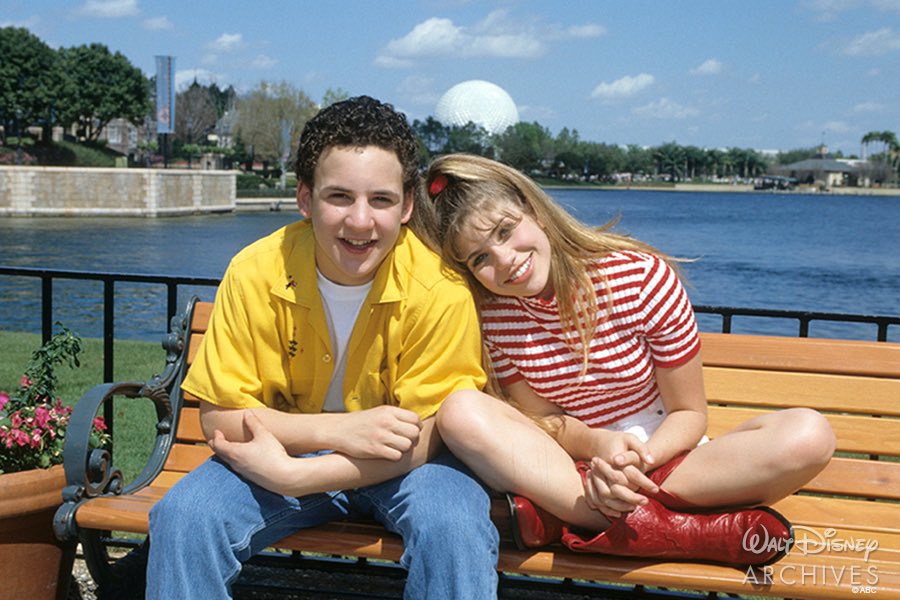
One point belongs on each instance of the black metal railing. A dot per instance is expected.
(109, 280)
(173, 282)
(803, 318)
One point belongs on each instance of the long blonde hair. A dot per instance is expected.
(461, 185)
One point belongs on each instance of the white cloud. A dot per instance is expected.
(867, 107)
(29, 23)
(836, 127)
(158, 23)
(830, 10)
(665, 109)
(227, 42)
(623, 88)
(586, 31)
(263, 62)
(109, 9)
(709, 67)
(874, 43)
(496, 36)
(419, 90)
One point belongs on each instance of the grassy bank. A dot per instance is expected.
(134, 361)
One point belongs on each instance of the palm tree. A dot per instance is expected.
(890, 154)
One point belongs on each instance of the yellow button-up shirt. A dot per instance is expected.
(416, 339)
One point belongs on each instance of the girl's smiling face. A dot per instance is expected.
(507, 252)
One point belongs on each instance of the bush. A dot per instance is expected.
(250, 181)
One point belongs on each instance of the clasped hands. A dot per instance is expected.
(617, 475)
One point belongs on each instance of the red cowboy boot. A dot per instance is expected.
(532, 526)
(757, 536)
(666, 498)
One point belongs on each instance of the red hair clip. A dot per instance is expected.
(437, 185)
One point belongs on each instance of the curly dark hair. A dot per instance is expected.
(359, 121)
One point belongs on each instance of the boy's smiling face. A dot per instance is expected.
(356, 207)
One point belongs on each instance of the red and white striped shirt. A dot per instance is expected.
(651, 324)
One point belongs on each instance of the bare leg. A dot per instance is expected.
(759, 462)
(512, 454)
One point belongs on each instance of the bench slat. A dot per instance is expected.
(807, 355)
(830, 393)
(371, 541)
(184, 457)
(863, 478)
(189, 429)
(855, 434)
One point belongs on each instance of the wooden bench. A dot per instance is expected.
(847, 520)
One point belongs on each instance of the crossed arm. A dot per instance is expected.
(370, 446)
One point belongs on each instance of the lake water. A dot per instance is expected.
(777, 251)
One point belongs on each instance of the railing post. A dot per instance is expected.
(109, 311)
(172, 308)
(46, 308)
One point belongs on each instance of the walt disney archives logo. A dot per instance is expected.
(862, 578)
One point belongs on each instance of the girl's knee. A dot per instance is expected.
(812, 440)
(463, 416)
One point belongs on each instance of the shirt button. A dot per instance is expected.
(326, 358)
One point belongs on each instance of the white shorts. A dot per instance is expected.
(642, 424)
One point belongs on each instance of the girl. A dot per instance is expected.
(592, 340)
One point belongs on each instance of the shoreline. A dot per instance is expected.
(279, 203)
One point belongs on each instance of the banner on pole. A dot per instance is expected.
(165, 94)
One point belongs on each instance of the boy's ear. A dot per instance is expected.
(304, 199)
(408, 205)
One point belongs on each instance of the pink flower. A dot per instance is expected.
(4, 398)
(26, 382)
(41, 416)
(15, 420)
(21, 438)
(99, 424)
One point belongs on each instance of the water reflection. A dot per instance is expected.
(811, 253)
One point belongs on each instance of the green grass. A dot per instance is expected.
(133, 419)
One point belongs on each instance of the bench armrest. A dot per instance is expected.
(89, 471)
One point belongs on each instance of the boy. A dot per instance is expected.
(332, 343)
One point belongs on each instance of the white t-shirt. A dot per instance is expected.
(342, 304)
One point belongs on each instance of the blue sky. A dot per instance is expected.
(766, 74)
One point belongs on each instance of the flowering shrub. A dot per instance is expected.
(33, 423)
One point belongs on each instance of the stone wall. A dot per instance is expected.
(63, 191)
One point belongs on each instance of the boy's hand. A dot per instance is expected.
(262, 458)
(385, 432)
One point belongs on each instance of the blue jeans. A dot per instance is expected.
(213, 520)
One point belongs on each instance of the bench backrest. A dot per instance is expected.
(850, 382)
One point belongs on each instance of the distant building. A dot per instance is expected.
(827, 172)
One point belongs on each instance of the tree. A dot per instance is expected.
(525, 146)
(669, 159)
(333, 95)
(28, 81)
(638, 160)
(433, 136)
(99, 86)
(195, 114)
(469, 138)
(890, 153)
(222, 99)
(271, 117)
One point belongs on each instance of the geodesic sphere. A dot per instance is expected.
(481, 102)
